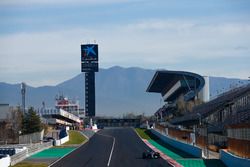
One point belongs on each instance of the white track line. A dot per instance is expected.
(87, 139)
(110, 156)
(112, 149)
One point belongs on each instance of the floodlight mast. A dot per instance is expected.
(23, 91)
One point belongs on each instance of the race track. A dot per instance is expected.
(117, 147)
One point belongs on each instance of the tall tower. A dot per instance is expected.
(89, 62)
(23, 91)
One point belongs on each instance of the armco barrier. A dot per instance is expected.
(18, 157)
(34, 148)
(4, 160)
(192, 150)
(231, 160)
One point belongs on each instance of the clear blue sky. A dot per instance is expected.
(40, 39)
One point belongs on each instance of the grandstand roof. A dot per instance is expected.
(164, 81)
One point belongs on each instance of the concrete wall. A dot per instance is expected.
(233, 161)
(193, 150)
(4, 161)
(31, 138)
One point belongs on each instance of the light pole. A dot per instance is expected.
(23, 91)
(204, 124)
(199, 118)
(206, 129)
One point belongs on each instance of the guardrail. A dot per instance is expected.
(18, 157)
(34, 148)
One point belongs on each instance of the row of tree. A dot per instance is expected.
(19, 124)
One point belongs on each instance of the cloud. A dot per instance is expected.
(153, 43)
(241, 48)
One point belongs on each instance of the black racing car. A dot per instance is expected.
(150, 154)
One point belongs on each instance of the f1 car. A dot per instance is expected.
(150, 154)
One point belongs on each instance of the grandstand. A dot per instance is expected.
(178, 87)
(223, 122)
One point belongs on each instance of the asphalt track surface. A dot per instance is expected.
(125, 145)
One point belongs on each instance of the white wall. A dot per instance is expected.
(62, 141)
(5, 161)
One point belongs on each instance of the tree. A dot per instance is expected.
(129, 115)
(181, 106)
(31, 122)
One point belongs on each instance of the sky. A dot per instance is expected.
(40, 39)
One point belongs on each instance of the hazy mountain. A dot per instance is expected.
(118, 91)
(219, 85)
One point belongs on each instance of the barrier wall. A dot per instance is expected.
(62, 141)
(193, 150)
(232, 161)
(4, 161)
(34, 148)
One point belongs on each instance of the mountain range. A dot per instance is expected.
(118, 91)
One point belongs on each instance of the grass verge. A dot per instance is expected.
(143, 133)
(75, 137)
(28, 164)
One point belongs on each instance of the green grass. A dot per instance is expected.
(75, 137)
(142, 133)
(28, 164)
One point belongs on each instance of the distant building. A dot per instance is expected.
(117, 122)
(65, 113)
